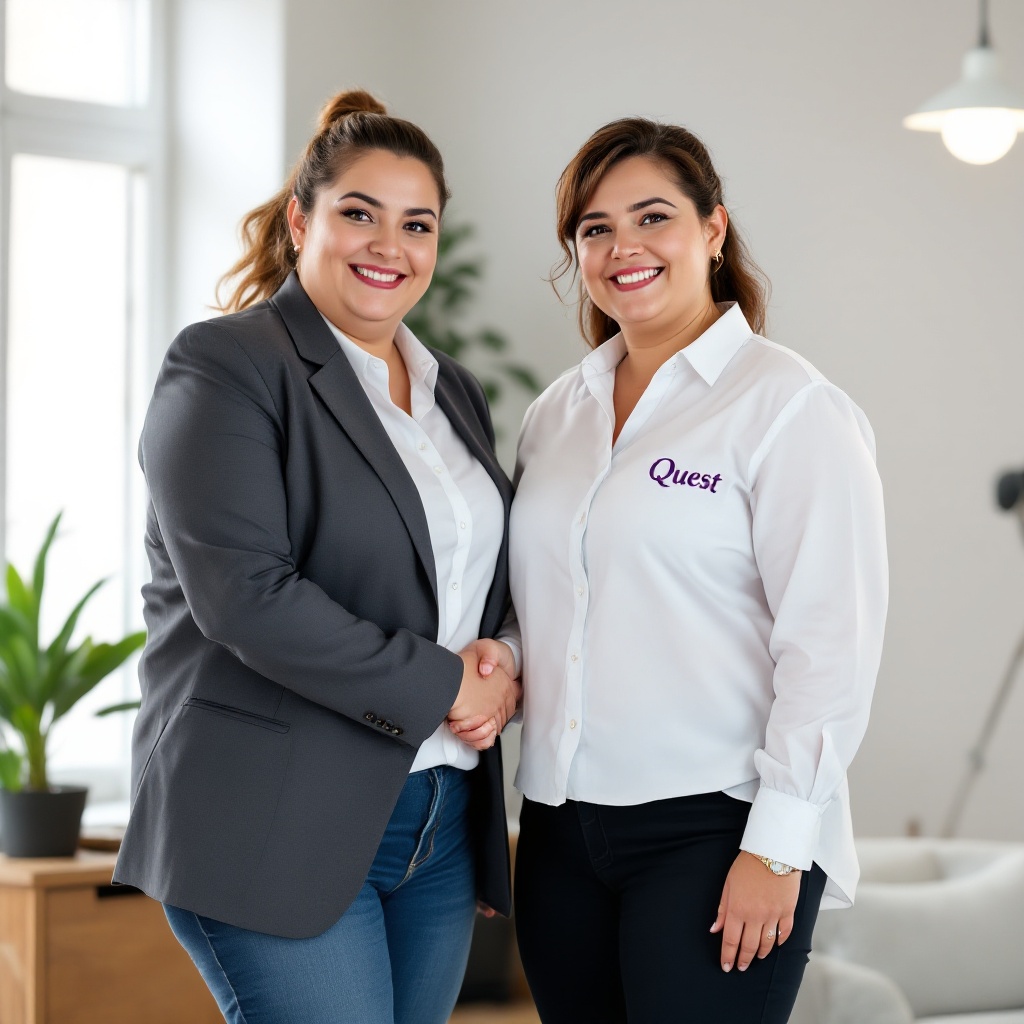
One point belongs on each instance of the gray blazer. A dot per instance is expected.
(290, 672)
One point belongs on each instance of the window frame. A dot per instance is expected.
(134, 137)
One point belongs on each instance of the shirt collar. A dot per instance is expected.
(422, 367)
(708, 354)
(711, 352)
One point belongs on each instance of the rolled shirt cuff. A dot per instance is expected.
(782, 827)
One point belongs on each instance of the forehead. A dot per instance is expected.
(399, 181)
(631, 180)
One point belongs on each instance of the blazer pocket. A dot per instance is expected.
(273, 724)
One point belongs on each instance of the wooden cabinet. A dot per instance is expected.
(76, 950)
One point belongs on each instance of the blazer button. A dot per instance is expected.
(397, 731)
(369, 716)
(389, 725)
(380, 722)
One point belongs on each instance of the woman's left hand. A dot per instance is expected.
(481, 733)
(756, 911)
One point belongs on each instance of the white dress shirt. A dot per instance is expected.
(702, 603)
(465, 514)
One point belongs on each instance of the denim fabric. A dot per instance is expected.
(398, 953)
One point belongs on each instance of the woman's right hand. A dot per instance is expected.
(485, 701)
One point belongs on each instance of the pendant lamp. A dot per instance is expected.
(979, 117)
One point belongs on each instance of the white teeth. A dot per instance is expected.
(640, 275)
(374, 276)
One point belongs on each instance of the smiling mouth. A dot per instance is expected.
(636, 278)
(377, 277)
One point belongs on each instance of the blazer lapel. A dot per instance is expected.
(339, 388)
(458, 407)
(452, 398)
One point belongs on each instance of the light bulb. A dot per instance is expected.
(979, 135)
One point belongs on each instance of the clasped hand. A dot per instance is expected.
(489, 694)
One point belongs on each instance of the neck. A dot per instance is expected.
(647, 348)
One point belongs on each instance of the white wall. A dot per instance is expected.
(226, 144)
(896, 269)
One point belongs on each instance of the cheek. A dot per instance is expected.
(590, 269)
(423, 260)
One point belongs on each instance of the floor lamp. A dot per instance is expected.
(1010, 497)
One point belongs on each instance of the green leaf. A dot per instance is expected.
(57, 649)
(100, 662)
(128, 705)
(523, 376)
(22, 662)
(465, 270)
(13, 623)
(39, 572)
(492, 389)
(19, 596)
(493, 340)
(10, 770)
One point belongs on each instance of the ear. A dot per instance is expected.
(296, 222)
(715, 228)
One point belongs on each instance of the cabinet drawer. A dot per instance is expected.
(110, 958)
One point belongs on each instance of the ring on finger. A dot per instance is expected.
(769, 934)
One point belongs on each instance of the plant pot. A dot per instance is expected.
(41, 823)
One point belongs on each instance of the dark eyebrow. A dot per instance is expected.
(630, 209)
(370, 201)
(651, 202)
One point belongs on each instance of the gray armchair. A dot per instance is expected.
(934, 938)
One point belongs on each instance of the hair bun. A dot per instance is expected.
(351, 101)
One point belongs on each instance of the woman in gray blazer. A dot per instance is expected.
(327, 536)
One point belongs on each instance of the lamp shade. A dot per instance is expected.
(979, 117)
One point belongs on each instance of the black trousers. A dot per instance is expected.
(613, 909)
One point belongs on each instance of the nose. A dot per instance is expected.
(627, 243)
(386, 242)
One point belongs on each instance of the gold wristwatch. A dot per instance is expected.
(776, 867)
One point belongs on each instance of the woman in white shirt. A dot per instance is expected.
(698, 566)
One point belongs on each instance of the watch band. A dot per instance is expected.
(776, 867)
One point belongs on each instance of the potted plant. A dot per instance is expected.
(39, 684)
(434, 319)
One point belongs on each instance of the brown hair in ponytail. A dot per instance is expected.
(688, 163)
(350, 124)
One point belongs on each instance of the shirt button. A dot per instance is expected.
(438, 470)
(423, 446)
(579, 590)
(583, 518)
(572, 724)
(455, 586)
(462, 526)
(575, 657)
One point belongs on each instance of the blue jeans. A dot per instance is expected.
(396, 956)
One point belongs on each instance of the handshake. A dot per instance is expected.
(489, 694)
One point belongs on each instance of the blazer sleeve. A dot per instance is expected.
(211, 452)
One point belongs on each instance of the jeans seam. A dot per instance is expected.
(213, 953)
(433, 820)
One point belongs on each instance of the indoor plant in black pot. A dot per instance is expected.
(39, 683)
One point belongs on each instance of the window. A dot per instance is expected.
(93, 51)
(80, 163)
